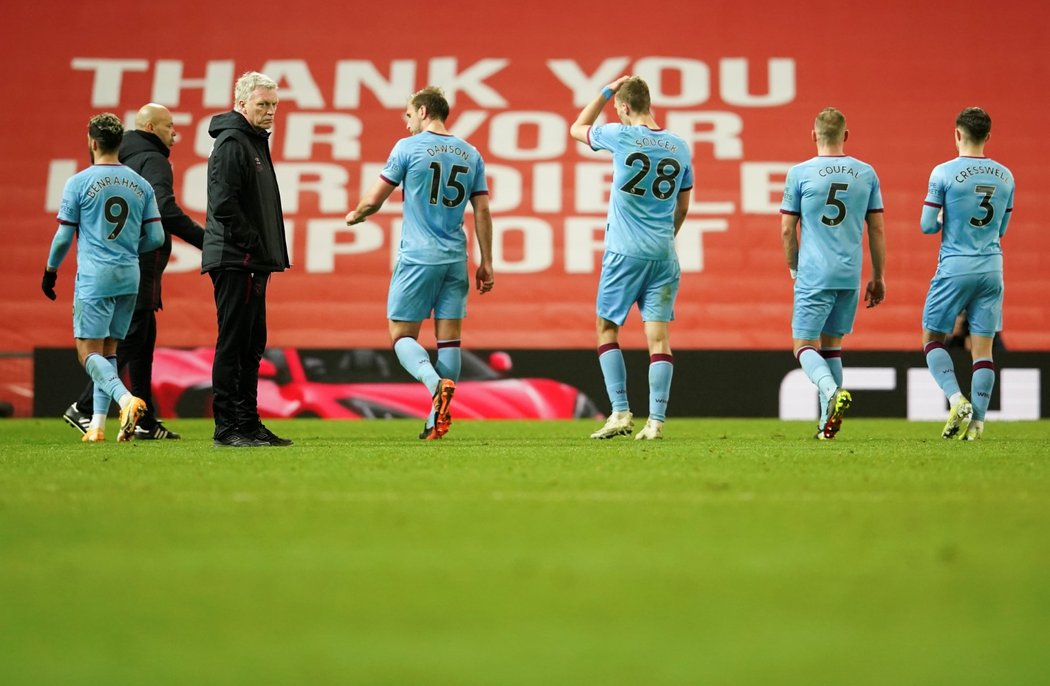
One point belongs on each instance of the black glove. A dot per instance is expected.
(48, 284)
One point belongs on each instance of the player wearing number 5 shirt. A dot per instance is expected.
(652, 180)
(833, 195)
(440, 174)
(969, 202)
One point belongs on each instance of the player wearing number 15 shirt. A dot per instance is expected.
(833, 195)
(441, 174)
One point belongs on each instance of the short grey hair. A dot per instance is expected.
(248, 82)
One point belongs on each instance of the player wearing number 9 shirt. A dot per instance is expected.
(833, 195)
(652, 180)
(113, 212)
(969, 202)
(440, 174)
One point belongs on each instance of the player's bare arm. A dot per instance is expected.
(681, 209)
(589, 114)
(789, 236)
(875, 292)
(371, 202)
(484, 277)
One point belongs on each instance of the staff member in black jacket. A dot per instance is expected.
(146, 150)
(244, 242)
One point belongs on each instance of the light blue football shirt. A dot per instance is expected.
(650, 168)
(110, 205)
(440, 175)
(832, 195)
(977, 195)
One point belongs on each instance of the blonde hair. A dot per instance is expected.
(830, 125)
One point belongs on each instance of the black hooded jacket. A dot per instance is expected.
(145, 153)
(245, 224)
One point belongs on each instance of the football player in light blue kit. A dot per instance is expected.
(652, 180)
(113, 212)
(833, 195)
(969, 202)
(440, 174)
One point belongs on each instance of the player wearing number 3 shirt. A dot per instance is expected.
(833, 195)
(652, 180)
(969, 202)
(441, 174)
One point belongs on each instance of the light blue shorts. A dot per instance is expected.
(823, 310)
(416, 290)
(980, 295)
(99, 318)
(652, 284)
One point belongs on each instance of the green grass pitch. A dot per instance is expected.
(732, 552)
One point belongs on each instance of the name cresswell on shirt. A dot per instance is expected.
(981, 169)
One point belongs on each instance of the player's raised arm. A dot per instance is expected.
(589, 114)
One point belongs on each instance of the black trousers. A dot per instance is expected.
(134, 364)
(240, 305)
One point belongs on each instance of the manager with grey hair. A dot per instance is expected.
(244, 243)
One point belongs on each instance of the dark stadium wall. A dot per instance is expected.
(707, 383)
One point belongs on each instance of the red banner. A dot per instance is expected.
(740, 81)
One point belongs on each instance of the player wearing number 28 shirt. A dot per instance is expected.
(648, 202)
(833, 195)
(441, 174)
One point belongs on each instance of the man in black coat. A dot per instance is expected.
(146, 150)
(244, 243)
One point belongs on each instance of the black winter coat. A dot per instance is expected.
(145, 153)
(245, 224)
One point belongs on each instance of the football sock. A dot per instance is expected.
(941, 367)
(614, 371)
(449, 363)
(819, 373)
(449, 360)
(416, 361)
(981, 386)
(104, 374)
(661, 369)
(833, 356)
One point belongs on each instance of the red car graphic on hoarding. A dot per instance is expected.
(362, 383)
